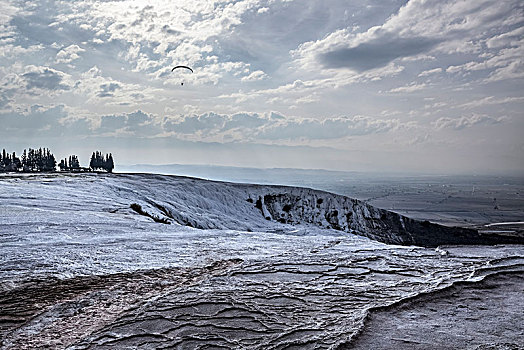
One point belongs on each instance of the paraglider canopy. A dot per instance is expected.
(186, 67)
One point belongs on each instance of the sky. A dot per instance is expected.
(427, 86)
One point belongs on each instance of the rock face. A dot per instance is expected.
(350, 215)
(207, 204)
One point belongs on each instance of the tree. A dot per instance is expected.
(9, 162)
(110, 164)
(92, 162)
(74, 163)
(48, 161)
(99, 162)
(15, 163)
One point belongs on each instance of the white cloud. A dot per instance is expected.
(511, 38)
(430, 72)
(306, 91)
(252, 126)
(330, 128)
(22, 82)
(254, 76)
(164, 32)
(506, 64)
(514, 70)
(491, 100)
(101, 89)
(466, 121)
(408, 88)
(419, 27)
(44, 78)
(69, 54)
(7, 11)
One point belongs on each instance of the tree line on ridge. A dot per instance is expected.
(42, 160)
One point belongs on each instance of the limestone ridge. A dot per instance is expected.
(205, 204)
(350, 215)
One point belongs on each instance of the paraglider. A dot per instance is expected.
(185, 67)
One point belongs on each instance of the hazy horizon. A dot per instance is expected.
(377, 86)
(175, 168)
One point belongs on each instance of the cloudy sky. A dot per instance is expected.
(383, 85)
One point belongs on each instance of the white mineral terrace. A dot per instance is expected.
(198, 263)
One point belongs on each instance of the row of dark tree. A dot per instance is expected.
(99, 162)
(42, 160)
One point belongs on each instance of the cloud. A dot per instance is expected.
(331, 128)
(254, 76)
(164, 33)
(418, 28)
(294, 90)
(69, 54)
(108, 89)
(330, 71)
(513, 70)
(23, 81)
(204, 124)
(375, 53)
(59, 121)
(408, 88)
(102, 89)
(466, 122)
(38, 120)
(249, 120)
(137, 123)
(430, 72)
(491, 100)
(7, 11)
(44, 78)
(273, 126)
(505, 64)
(511, 38)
